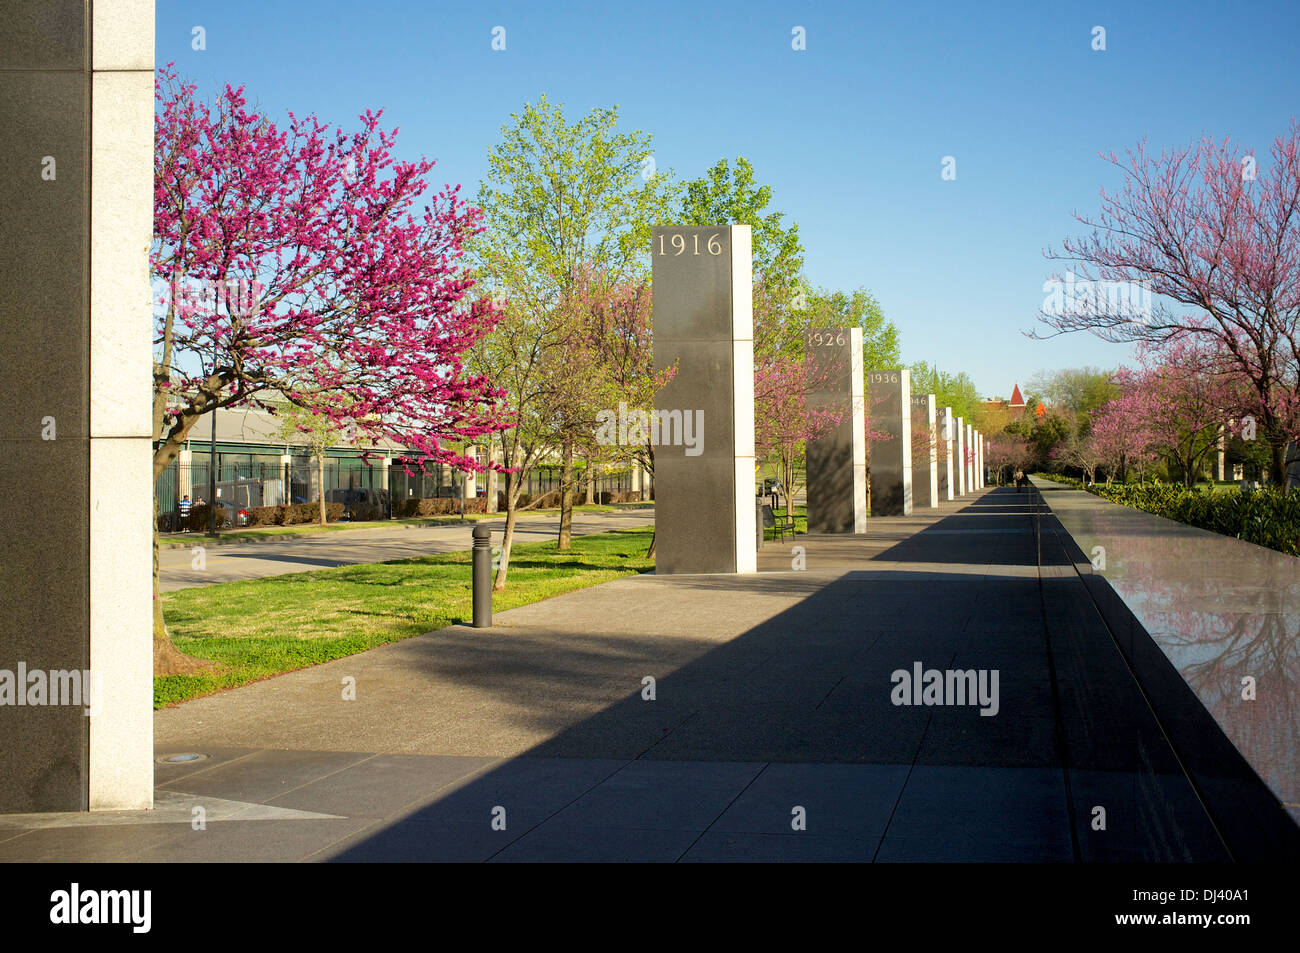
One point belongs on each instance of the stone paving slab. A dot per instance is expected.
(537, 740)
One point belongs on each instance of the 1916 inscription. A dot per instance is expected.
(680, 243)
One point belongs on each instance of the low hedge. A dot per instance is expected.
(306, 513)
(1265, 517)
(260, 516)
(437, 506)
(619, 496)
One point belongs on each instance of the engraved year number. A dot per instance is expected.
(680, 243)
(826, 339)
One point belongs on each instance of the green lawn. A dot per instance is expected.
(263, 627)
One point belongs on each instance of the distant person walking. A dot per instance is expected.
(1020, 479)
(185, 513)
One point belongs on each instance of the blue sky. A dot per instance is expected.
(850, 132)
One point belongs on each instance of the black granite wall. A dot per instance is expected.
(695, 494)
(44, 393)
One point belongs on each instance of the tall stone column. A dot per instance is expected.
(76, 220)
(968, 458)
(948, 433)
(703, 420)
(925, 472)
(961, 457)
(890, 399)
(837, 459)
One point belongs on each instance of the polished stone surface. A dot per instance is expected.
(832, 465)
(772, 735)
(44, 392)
(1197, 614)
(704, 328)
(889, 403)
(925, 452)
(44, 35)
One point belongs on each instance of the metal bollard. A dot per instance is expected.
(482, 577)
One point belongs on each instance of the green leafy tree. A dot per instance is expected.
(1080, 390)
(950, 390)
(560, 199)
(726, 196)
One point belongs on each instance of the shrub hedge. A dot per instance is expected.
(1266, 516)
(437, 506)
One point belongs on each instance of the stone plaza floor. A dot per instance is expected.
(773, 733)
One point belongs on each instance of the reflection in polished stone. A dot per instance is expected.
(1222, 611)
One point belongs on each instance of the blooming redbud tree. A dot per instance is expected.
(308, 265)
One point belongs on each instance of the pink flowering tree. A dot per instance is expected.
(1175, 404)
(1202, 240)
(1007, 451)
(309, 266)
(783, 420)
(1122, 437)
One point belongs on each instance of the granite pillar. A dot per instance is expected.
(836, 457)
(947, 432)
(890, 399)
(703, 420)
(961, 457)
(925, 472)
(76, 220)
(968, 457)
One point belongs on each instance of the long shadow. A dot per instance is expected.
(801, 713)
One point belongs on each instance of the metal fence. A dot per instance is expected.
(266, 482)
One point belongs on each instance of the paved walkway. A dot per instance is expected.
(277, 555)
(772, 712)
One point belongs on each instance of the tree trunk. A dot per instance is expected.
(167, 658)
(647, 474)
(492, 479)
(507, 540)
(787, 480)
(1277, 471)
(566, 496)
(320, 469)
(591, 483)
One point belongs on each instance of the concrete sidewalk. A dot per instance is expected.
(772, 733)
(279, 555)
